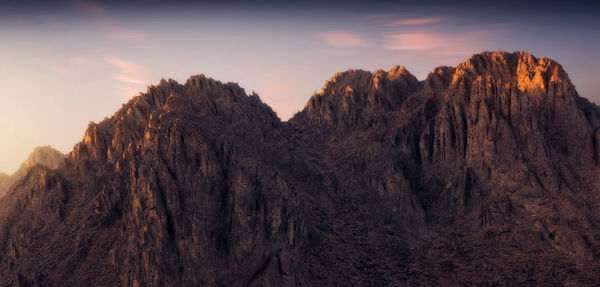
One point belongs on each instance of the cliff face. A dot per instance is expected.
(486, 173)
(44, 155)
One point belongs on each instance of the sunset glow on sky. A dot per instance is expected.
(68, 63)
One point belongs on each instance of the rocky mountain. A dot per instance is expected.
(43, 155)
(482, 174)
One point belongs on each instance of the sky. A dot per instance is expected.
(64, 64)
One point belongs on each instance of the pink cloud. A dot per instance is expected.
(415, 21)
(128, 72)
(342, 39)
(68, 64)
(412, 41)
(458, 43)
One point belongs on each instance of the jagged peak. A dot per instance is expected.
(357, 79)
(341, 78)
(201, 81)
(156, 96)
(355, 93)
(195, 80)
(358, 96)
(170, 101)
(398, 71)
(526, 70)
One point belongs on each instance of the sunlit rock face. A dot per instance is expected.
(483, 174)
(44, 155)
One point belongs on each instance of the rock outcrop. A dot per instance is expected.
(483, 174)
(43, 155)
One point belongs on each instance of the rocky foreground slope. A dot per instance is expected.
(483, 174)
(43, 155)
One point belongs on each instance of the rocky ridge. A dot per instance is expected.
(482, 174)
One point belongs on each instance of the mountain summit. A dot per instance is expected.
(482, 174)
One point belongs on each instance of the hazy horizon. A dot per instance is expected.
(67, 63)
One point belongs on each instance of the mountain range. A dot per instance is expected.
(482, 174)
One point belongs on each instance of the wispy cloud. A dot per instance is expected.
(343, 39)
(128, 72)
(464, 42)
(68, 64)
(397, 19)
(412, 41)
(414, 21)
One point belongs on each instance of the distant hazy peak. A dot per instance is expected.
(42, 155)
